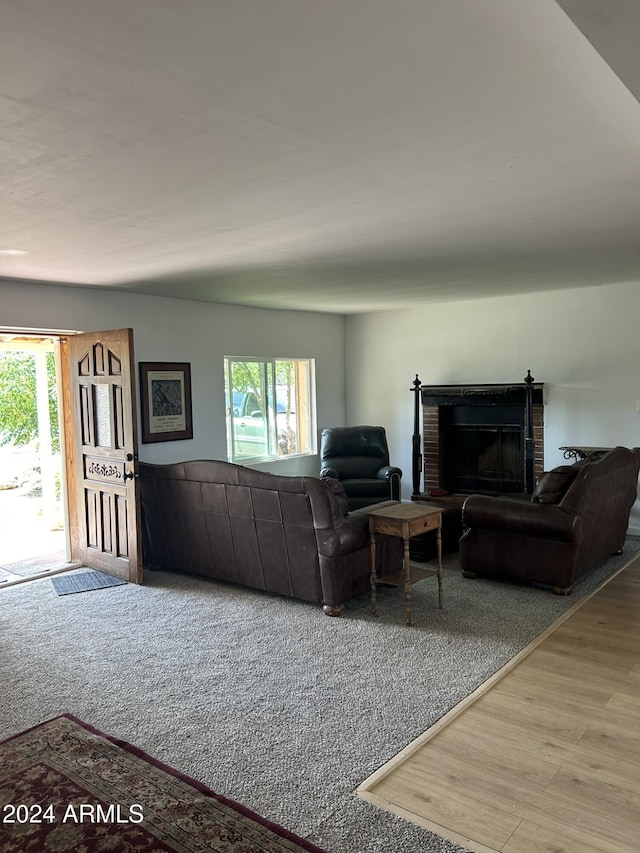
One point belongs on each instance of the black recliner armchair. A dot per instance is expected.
(358, 457)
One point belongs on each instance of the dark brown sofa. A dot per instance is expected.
(577, 516)
(288, 535)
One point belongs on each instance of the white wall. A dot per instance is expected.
(199, 333)
(582, 344)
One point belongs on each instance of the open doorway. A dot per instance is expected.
(33, 535)
(93, 492)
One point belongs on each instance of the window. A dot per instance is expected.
(270, 408)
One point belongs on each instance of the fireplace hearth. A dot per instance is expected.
(485, 439)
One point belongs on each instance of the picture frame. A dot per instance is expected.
(165, 391)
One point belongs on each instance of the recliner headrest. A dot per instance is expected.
(354, 441)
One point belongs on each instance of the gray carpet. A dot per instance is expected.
(264, 699)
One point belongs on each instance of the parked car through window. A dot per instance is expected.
(269, 408)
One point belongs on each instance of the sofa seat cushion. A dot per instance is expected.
(520, 518)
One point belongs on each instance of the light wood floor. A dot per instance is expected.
(545, 757)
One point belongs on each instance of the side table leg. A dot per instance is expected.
(439, 569)
(407, 580)
(374, 578)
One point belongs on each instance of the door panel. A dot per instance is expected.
(105, 450)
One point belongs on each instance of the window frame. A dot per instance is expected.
(263, 427)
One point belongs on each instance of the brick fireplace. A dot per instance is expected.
(481, 438)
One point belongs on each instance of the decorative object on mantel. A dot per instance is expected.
(582, 451)
(485, 438)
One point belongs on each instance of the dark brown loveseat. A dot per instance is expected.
(578, 515)
(288, 535)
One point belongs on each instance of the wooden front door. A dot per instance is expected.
(105, 502)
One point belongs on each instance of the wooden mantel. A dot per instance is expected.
(450, 395)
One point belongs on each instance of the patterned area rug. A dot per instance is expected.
(66, 786)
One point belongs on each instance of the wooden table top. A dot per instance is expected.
(405, 511)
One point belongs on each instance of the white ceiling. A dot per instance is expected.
(329, 155)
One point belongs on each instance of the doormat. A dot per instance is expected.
(83, 582)
(71, 787)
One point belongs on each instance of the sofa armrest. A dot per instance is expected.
(337, 490)
(514, 516)
(349, 536)
(330, 472)
(393, 476)
(387, 472)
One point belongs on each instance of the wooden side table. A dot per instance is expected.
(405, 520)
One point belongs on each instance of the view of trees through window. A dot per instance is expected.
(18, 407)
(269, 407)
(30, 459)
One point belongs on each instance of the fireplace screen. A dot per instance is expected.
(483, 450)
(480, 438)
(484, 459)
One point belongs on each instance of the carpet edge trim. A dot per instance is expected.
(436, 828)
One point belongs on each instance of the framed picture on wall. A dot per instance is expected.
(165, 389)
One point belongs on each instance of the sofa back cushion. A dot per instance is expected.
(552, 486)
(604, 483)
(354, 452)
